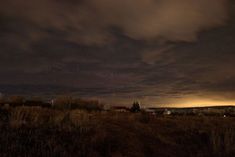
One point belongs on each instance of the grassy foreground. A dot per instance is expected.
(42, 132)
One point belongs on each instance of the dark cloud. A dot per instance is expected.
(157, 51)
(89, 22)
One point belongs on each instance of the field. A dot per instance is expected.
(37, 132)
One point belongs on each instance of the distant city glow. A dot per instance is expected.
(200, 103)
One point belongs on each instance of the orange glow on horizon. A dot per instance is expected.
(200, 103)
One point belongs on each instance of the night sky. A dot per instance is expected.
(159, 52)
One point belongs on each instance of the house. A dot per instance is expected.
(150, 111)
(183, 111)
(167, 112)
(120, 109)
(213, 111)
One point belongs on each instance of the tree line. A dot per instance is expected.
(59, 102)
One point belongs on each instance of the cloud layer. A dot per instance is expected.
(92, 21)
(157, 51)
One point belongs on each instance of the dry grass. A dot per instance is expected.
(35, 131)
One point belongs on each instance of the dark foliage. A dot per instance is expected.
(135, 107)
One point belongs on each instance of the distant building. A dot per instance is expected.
(150, 111)
(214, 111)
(167, 112)
(120, 109)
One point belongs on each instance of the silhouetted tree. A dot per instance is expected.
(135, 107)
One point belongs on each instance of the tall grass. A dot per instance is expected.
(36, 131)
